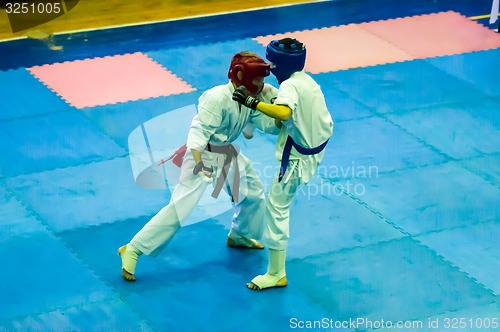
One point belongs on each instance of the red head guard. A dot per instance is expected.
(251, 66)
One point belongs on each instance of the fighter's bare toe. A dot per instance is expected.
(242, 242)
(129, 261)
(251, 285)
(127, 276)
(267, 281)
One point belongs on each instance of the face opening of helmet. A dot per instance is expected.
(249, 70)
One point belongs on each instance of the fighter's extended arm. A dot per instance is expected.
(280, 112)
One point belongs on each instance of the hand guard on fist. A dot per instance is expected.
(203, 171)
(241, 96)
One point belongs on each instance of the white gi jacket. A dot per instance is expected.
(310, 124)
(220, 119)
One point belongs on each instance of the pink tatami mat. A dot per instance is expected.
(367, 44)
(108, 80)
(342, 47)
(435, 34)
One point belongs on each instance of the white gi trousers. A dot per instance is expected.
(248, 218)
(277, 215)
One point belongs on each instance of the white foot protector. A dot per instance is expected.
(129, 260)
(267, 281)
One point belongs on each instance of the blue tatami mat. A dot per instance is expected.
(348, 224)
(53, 141)
(366, 147)
(431, 198)
(43, 276)
(15, 219)
(472, 132)
(23, 95)
(480, 69)
(183, 279)
(487, 167)
(479, 259)
(117, 121)
(342, 107)
(397, 87)
(353, 283)
(109, 315)
(204, 65)
(87, 195)
(211, 293)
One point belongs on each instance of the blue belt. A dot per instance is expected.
(285, 158)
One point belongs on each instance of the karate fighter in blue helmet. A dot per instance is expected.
(211, 158)
(306, 127)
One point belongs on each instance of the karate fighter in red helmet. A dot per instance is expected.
(211, 158)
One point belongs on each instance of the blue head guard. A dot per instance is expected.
(288, 56)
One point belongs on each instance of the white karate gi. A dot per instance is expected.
(219, 122)
(309, 125)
